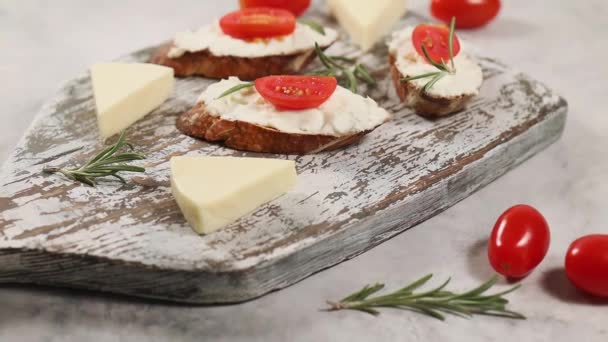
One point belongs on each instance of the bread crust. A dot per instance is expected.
(204, 63)
(240, 135)
(424, 104)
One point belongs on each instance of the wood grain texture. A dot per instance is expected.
(132, 239)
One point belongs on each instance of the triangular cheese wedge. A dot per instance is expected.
(367, 21)
(126, 92)
(213, 192)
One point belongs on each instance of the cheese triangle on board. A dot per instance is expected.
(213, 192)
(126, 92)
(367, 21)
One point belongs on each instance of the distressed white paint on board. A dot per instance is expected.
(132, 239)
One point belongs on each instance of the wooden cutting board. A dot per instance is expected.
(132, 239)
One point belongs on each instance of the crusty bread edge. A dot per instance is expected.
(424, 104)
(244, 136)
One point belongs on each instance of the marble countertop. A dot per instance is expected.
(45, 43)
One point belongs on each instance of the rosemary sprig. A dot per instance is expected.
(313, 25)
(236, 88)
(451, 42)
(441, 66)
(444, 70)
(343, 59)
(434, 80)
(434, 303)
(106, 163)
(362, 73)
(342, 68)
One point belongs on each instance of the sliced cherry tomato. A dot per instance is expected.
(253, 23)
(468, 13)
(296, 92)
(297, 7)
(436, 40)
(587, 264)
(519, 241)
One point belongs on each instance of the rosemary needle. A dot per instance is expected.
(106, 163)
(313, 25)
(434, 303)
(346, 70)
(235, 89)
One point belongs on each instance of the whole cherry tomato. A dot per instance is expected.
(297, 7)
(435, 39)
(258, 23)
(519, 241)
(587, 264)
(296, 92)
(468, 13)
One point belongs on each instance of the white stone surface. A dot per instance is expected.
(44, 43)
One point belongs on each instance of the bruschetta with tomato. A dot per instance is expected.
(282, 114)
(249, 44)
(431, 71)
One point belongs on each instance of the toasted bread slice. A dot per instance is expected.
(205, 64)
(424, 104)
(246, 136)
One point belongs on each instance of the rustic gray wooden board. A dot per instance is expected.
(132, 239)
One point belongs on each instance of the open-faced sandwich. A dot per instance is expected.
(431, 72)
(249, 44)
(282, 114)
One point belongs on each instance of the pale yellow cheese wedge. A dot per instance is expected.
(126, 92)
(213, 192)
(367, 21)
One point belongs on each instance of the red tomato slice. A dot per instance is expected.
(519, 241)
(468, 13)
(436, 40)
(587, 264)
(253, 23)
(297, 7)
(296, 92)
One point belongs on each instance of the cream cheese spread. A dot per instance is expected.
(344, 113)
(212, 38)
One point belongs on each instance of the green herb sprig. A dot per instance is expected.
(106, 163)
(348, 76)
(434, 303)
(313, 25)
(236, 88)
(443, 68)
(346, 70)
